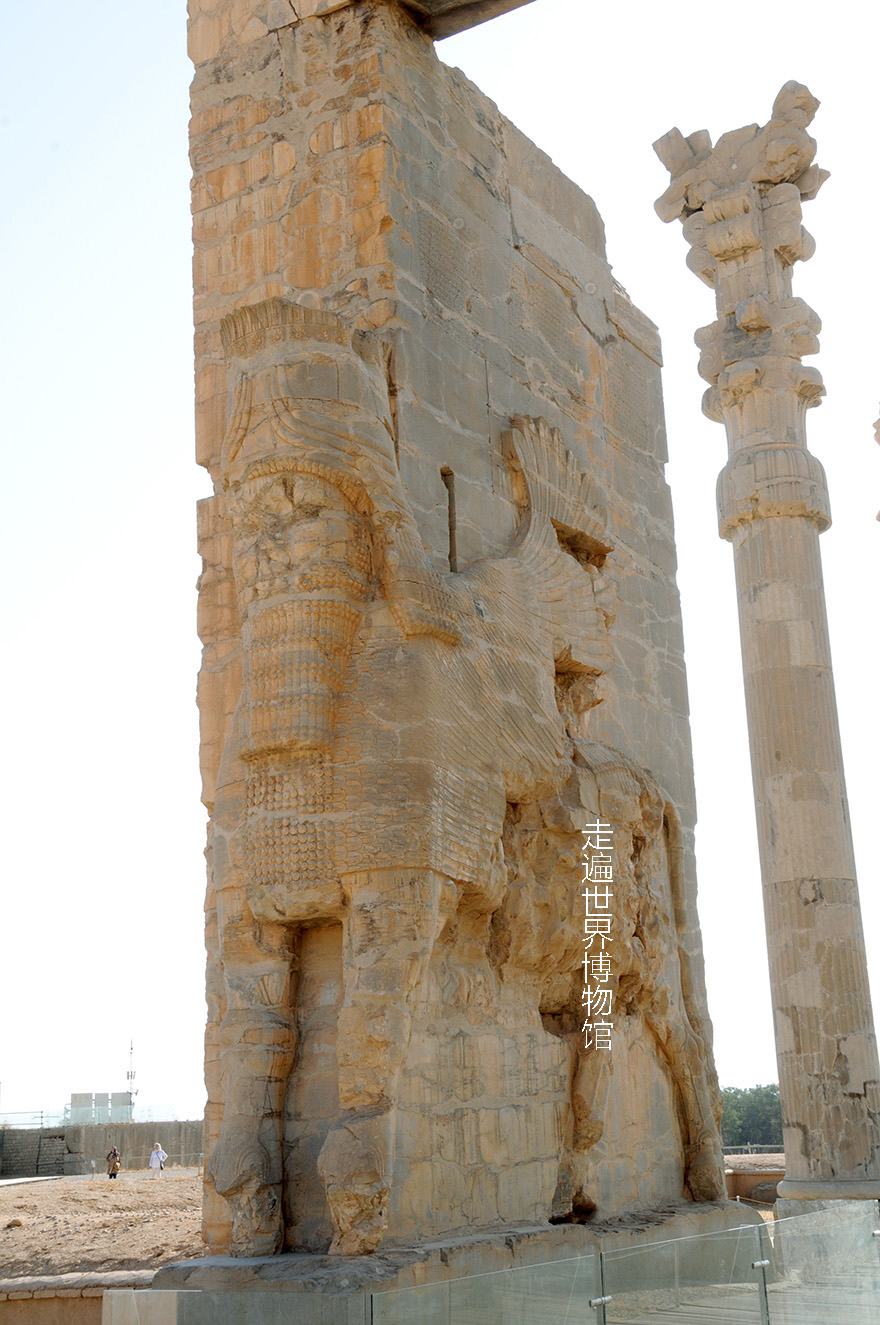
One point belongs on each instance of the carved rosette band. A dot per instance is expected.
(740, 204)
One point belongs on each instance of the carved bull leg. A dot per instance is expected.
(683, 1041)
(590, 1088)
(392, 922)
(685, 1054)
(257, 1050)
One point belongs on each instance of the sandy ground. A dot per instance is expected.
(135, 1222)
(68, 1224)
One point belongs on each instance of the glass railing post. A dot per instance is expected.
(815, 1266)
(598, 1303)
(764, 1258)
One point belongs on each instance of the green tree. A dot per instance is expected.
(752, 1116)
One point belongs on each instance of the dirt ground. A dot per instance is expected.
(135, 1222)
(68, 1224)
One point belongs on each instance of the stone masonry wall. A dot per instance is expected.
(340, 164)
(422, 211)
(28, 1152)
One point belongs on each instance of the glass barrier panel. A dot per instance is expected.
(205, 1307)
(556, 1293)
(129, 1306)
(710, 1277)
(815, 1268)
(825, 1266)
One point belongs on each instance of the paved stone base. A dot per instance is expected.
(434, 1262)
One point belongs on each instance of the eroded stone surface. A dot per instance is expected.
(215, 27)
(440, 625)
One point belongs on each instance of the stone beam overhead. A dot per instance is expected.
(443, 18)
(740, 205)
(215, 27)
(440, 18)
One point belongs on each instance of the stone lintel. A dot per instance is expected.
(443, 18)
(440, 18)
(837, 1189)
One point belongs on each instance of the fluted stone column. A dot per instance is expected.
(740, 204)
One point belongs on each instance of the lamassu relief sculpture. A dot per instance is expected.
(441, 632)
(405, 763)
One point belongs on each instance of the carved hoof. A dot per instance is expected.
(352, 1166)
(241, 1171)
(238, 1159)
(571, 1201)
(257, 1226)
(245, 1154)
(705, 1177)
(368, 1222)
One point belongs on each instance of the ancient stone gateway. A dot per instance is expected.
(441, 633)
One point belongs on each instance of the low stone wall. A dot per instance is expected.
(754, 1177)
(54, 1151)
(134, 1141)
(31, 1152)
(754, 1185)
(63, 1299)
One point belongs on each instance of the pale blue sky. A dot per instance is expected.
(103, 831)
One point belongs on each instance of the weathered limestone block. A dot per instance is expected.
(440, 626)
(740, 205)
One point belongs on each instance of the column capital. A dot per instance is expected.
(721, 180)
(739, 202)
